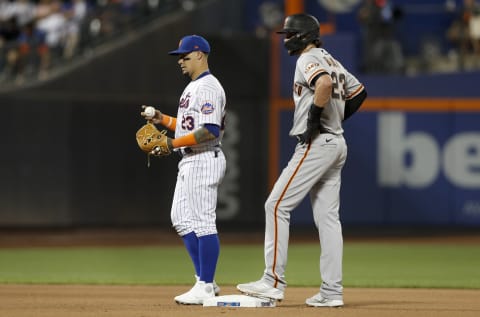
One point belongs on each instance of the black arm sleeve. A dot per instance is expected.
(352, 105)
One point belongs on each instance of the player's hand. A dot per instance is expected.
(306, 137)
(313, 124)
(156, 118)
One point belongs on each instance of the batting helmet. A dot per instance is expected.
(300, 29)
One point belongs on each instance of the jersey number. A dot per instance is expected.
(188, 123)
(338, 85)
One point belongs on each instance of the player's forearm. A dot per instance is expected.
(199, 136)
(168, 122)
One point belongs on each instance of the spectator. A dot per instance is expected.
(382, 53)
(13, 15)
(471, 18)
(75, 15)
(54, 25)
(23, 10)
(271, 18)
(9, 33)
(465, 32)
(34, 55)
(43, 9)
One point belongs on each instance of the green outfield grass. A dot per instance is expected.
(365, 265)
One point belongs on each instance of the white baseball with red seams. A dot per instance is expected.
(149, 112)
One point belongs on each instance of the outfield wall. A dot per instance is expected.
(406, 168)
(68, 152)
(68, 156)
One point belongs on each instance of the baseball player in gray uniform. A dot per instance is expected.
(325, 94)
(198, 130)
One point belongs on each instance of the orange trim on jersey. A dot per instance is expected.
(309, 81)
(356, 92)
(169, 122)
(186, 140)
(275, 237)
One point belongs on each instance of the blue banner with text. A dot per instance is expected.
(405, 168)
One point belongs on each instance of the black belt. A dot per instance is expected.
(321, 130)
(186, 150)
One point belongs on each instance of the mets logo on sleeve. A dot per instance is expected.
(207, 108)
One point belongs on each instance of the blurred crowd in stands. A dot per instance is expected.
(36, 35)
(382, 51)
(380, 23)
(464, 32)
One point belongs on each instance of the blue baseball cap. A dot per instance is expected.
(191, 43)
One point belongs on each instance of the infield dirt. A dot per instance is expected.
(146, 301)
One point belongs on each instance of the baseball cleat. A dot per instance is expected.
(261, 289)
(199, 292)
(320, 301)
(216, 288)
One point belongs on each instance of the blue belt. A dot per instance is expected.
(188, 150)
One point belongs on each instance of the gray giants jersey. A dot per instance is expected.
(345, 86)
(202, 102)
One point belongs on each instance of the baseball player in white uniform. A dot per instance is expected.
(325, 94)
(198, 130)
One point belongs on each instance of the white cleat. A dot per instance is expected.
(261, 289)
(320, 301)
(216, 288)
(199, 292)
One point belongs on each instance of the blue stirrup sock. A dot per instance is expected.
(209, 250)
(192, 245)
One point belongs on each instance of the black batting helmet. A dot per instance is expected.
(301, 29)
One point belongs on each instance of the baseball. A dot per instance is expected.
(149, 112)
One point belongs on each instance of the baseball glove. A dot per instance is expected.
(152, 141)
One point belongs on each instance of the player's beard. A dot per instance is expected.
(186, 73)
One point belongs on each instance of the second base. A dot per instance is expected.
(238, 301)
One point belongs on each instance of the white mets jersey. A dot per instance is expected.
(202, 102)
(345, 86)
